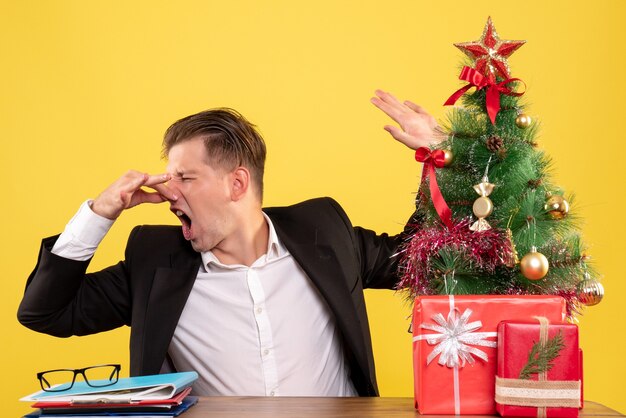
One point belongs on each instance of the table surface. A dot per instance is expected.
(260, 407)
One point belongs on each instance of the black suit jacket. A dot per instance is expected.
(148, 290)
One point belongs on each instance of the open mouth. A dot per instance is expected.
(185, 221)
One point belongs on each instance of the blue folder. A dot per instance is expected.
(128, 389)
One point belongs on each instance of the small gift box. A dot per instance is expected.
(454, 348)
(539, 369)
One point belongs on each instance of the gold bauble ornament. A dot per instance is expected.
(557, 207)
(534, 265)
(447, 157)
(523, 121)
(589, 291)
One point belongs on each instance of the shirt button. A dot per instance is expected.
(266, 352)
(259, 310)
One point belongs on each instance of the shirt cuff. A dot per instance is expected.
(82, 235)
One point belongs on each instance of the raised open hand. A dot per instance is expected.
(417, 127)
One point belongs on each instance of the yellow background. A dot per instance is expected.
(89, 87)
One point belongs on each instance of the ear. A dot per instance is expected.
(239, 183)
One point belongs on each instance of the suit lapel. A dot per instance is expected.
(168, 295)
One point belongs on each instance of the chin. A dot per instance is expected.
(199, 247)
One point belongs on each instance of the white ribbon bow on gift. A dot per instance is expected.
(454, 337)
(453, 340)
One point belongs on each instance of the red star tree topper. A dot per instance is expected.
(490, 52)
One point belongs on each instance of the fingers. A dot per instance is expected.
(165, 191)
(388, 98)
(388, 104)
(131, 181)
(391, 103)
(154, 198)
(414, 107)
(141, 196)
(399, 135)
(157, 182)
(399, 112)
(389, 110)
(127, 192)
(157, 179)
(379, 103)
(430, 120)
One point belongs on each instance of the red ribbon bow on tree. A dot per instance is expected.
(432, 159)
(478, 80)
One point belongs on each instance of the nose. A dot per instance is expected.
(172, 186)
(173, 191)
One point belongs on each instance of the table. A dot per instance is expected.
(292, 407)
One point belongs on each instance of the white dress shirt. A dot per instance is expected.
(262, 330)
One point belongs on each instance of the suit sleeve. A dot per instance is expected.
(377, 253)
(61, 299)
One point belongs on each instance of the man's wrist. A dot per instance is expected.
(82, 235)
(87, 226)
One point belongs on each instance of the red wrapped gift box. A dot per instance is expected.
(554, 393)
(454, 354)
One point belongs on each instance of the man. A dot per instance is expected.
(258, 301)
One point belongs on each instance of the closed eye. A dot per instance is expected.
(183, 179)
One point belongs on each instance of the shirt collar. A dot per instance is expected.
(275, 249)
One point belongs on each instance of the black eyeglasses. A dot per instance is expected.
(95, 376)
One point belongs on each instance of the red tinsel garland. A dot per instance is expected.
(485, 250)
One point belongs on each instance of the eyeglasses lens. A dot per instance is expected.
(101, 375)
(57, 380)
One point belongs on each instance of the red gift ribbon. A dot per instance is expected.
(432, 159)
(478, 80)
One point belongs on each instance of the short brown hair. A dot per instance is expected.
(229, 139)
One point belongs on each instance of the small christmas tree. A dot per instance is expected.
(489, 218)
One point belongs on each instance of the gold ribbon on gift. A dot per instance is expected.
(534, 393)
(540, 393)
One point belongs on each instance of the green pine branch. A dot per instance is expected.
(540, 358)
